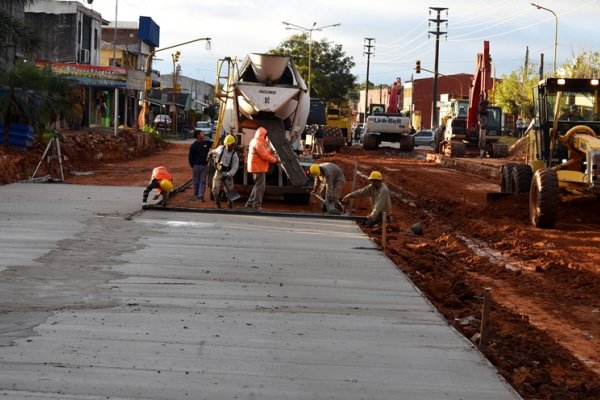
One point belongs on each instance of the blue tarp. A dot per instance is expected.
(21, 135)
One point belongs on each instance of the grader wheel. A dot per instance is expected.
(521, 178)
(506, 181)
(544, 198)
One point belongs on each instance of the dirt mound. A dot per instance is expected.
(81, 150)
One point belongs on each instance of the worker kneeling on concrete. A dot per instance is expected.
(226, 163)
(161, 180)
(379, 194)
(329, 179)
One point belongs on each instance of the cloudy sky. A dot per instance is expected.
(399, 27)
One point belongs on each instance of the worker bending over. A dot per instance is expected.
(161, 180)
(226, 163)
(329, 179)
(379, 194)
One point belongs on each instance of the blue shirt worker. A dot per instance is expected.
(226, 163)
(198, 160)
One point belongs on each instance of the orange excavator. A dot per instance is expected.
(481, 126)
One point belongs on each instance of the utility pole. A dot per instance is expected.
(368, 51)
(437, 33)
(526, 65)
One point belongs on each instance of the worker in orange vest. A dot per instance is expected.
(161, 180)
(259, 158)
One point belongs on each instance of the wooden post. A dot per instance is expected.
(485, 315)
(353, 187)
(384, 231)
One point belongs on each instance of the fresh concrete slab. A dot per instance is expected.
(162, 305)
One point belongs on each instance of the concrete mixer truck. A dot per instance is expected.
(266, 90)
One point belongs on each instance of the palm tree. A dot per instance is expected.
(14, 31)
(34, 96)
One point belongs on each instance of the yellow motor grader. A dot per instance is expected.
(562, 162)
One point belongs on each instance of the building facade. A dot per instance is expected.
(418, 97)
(72, 32)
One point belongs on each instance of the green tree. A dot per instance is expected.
(583, 65)
(514, 93)
(331, 79)
(13, 31)
(361, 86)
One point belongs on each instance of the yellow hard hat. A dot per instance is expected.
(315, 170)
(166, 185)
(229, 139)
(375, 176)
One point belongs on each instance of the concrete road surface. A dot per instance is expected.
(101, 300)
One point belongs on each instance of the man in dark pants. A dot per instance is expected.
(198, 160)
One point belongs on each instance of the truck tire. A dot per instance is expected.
(498, 150)
(457, 149)
(506, 181)
(370, 141)
(544, 198)
(521, 178)
(407, 143)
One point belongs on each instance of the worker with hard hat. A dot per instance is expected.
(379, 194)
(162, 181)
(260, 156)
(226, 162)
(329, 179)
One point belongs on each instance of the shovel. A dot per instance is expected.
(332, 207)
(233, 195)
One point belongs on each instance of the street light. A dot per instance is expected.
(147, 83)
(176, 67)
(310, 31)
(555, 30)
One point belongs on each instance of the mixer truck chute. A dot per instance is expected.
(266, 90)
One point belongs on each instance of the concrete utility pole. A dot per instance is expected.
(369, 47)
(437, 33)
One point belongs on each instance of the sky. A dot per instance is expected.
(399, 28)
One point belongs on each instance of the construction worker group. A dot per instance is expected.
(328, 177)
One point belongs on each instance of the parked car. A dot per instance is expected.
(424, 138)
(206, 127)
(162, 121)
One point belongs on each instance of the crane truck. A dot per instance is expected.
(385, 123)
(266, 90)
(474, 123)
(562, 160)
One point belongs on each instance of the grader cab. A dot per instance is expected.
(562, 162)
